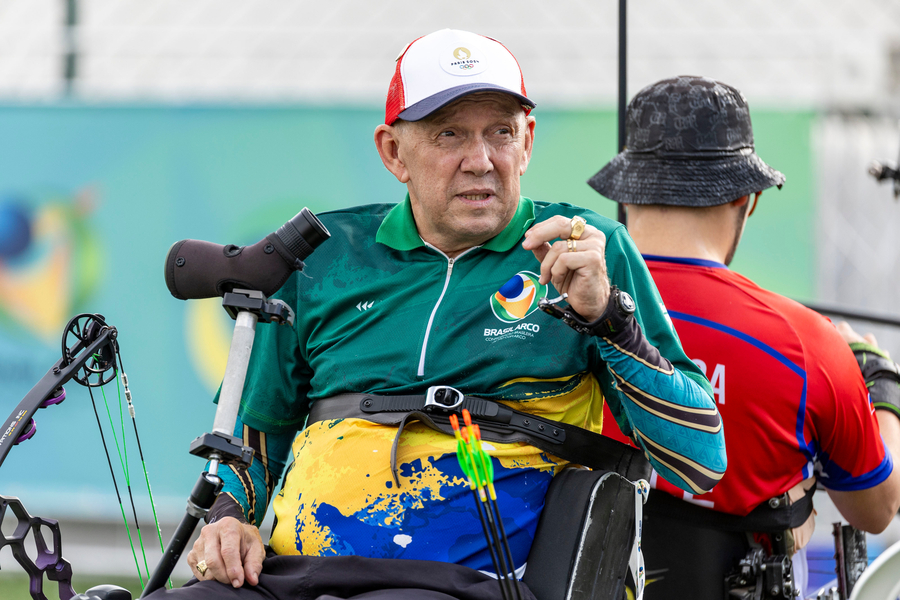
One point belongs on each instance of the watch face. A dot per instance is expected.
(626, 302)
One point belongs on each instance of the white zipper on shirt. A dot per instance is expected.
(450, 263)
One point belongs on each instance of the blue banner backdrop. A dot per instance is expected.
(91, 198)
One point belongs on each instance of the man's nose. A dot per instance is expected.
(477, 157)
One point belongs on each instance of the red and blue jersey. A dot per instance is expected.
(792, 398)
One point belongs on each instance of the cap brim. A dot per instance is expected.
(423, 108)
(646, 178)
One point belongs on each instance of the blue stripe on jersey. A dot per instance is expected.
(678, 260)
(834, 477)
(801, 411)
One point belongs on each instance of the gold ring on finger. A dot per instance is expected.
(202, 567)
(578, 224)
(572, 245)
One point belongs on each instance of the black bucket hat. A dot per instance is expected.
(689, 142)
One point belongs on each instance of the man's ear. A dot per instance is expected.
(387, 141)
(529, 144)
(740, 201)
(745, 199)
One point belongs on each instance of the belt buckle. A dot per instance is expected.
(443, 396)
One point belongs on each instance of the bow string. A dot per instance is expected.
(91, 357)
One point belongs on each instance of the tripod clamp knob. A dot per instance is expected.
(268, 311)
(230, 449)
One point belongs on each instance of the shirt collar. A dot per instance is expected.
(398, 229)
(697, 262)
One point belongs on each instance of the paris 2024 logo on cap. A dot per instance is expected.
(518, 297)
(464, 60)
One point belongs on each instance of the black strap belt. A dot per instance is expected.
(498, 423)
(772, 516)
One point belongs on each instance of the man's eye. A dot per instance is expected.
(447, 134)
(504, 131)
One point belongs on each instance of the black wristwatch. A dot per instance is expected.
(618, 315)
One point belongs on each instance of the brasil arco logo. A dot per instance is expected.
(518, 297)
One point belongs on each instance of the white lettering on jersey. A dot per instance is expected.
(718, 383)
(717, 379)
(520, 331)
(690, 498)
(700, 364)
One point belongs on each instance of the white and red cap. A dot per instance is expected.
(443, 66)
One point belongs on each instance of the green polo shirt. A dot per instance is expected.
(379, 311)
(373, 316)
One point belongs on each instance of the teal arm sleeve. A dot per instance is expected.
(247, 490)
(658, 395)
(672, 417)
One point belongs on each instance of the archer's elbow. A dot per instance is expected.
(887, 510)
(873, 509)
(874, 521)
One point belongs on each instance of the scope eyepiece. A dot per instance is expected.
(302, 234)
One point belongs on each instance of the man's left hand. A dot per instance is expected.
(851, 337)
(579, 271)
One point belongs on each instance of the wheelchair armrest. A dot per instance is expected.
(584, 537)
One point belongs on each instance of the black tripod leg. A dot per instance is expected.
(202, 497)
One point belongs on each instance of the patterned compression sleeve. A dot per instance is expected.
(673, 419)
(882, 376)
(247, 490)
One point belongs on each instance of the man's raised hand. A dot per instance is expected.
(576, 267)
(851, 336)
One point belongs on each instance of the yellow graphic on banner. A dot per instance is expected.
(208, 339)
(50, 261)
